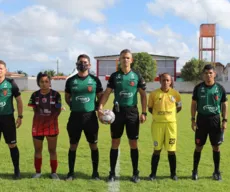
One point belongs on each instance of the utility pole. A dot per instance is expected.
(57, 66)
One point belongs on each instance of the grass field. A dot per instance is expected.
(83, 167)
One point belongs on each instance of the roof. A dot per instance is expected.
(153, 55)
(59, 77)
(11, 74)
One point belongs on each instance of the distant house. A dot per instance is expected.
(14, 75)
(59, 77)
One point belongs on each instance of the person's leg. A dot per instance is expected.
(38, 145)
(170, 145)
(74, 131)
(158, 132)
(9, 132)
(116, 129)
(95, 160)
(52, 145)
(132, 130)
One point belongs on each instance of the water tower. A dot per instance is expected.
(208, 31)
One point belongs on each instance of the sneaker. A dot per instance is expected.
(37, 175)
(54, 176)
(174, 177)
(69, 177)
(111, 177)
(17, 175)
(152, 177)
(194, 175)
(217, 176)
(95, 176)
(135, 178)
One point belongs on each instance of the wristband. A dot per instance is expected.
(144, 113)
(20, 116)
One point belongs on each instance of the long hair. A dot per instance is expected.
(172, 82)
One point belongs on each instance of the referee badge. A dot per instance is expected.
(90, 88)
(4, 91)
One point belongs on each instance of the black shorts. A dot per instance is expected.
(87, 122)
(8, 128)
(208, 125)
(127, 117)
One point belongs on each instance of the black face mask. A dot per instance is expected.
(82, 66)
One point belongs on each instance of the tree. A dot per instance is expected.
(60, 74)
(192, 70)
(50, 72)
(145, 65)
(22, 72)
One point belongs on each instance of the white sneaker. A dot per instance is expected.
(36, 175)
(54, 176)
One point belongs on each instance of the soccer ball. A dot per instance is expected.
(108, 117)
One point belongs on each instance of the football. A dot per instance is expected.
(108, 117)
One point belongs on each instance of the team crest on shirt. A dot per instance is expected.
(172, 98)
(90, 88)
(132, 83)
(4, 91)
(44, 100)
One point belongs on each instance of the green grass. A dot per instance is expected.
(83, 166)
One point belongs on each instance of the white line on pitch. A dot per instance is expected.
(115, 186)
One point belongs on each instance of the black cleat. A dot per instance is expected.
(174, 177)
(217, 176)
(135, 178)
(194, 175)
(70, 177)
(152, 177)
(17, 175)
(111, 177)
(95, 176)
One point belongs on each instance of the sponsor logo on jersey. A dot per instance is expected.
(75, 82)
(126, 94)
(164, 112)
(118, 76)
(2, 104)
(90, 88)
(202, 90)
(132, 76)
(44, 100)
(83, 99)
(210, 108)
(4, 91)
(132, 83)
(172, 141)
(5, 85)
(90, 81)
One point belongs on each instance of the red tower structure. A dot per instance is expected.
(208, 31)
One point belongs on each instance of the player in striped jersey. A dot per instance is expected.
(47, 107)
(164, 103)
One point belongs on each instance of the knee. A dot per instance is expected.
(73, 147)
(199, 148)
(93, 146)
(216, 148)
(133, 144)
(52, 151)
(12, 146)
(115, 143)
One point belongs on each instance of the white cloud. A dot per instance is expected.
(195, 11)
(90, 9)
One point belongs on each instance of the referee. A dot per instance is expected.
(8, 90)
(209, 100)
(125, 83)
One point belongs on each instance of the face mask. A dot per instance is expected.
(82, 66)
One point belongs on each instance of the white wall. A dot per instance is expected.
(59, 85)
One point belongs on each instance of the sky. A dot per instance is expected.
(35, 34)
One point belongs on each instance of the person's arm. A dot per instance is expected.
(224, 112)
(143, 99)
(58, 104)
(150, 103)
(193, 114)
(67, 98)
(104, 98)
(178, 103)
(20, 111)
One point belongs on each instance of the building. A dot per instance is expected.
(106, 65)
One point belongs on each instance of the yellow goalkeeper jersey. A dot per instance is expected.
(164, 105)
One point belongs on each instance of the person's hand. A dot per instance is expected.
(100, 113)
(224, 125)
(18, 122)
(194, 126)
(142, 118)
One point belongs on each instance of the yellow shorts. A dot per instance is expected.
(164, 134)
